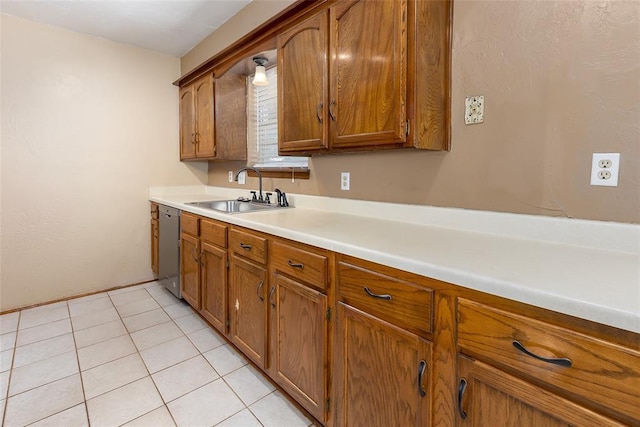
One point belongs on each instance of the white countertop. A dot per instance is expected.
(588, 269)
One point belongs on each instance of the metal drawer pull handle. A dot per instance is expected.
(294, 265)
(260, 297)
(246, 247)
(331, 104)
(461, 389)
(318, 113)
(273, 304)
(421, 369)
(562, 361)
(380, 296)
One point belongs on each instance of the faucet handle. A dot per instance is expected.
(253, 196)
(267, 199)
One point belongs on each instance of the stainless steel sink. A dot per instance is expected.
(234, 206)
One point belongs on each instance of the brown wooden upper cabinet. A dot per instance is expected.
(211, 118)
(348, 75)
(196, 119)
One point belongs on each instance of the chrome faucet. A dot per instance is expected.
(260, 198)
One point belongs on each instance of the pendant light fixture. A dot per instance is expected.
(260, 78)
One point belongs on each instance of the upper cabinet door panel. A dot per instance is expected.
(203, 92)
(187, 124)
(368, 77)
(231, 117)
(302, 84)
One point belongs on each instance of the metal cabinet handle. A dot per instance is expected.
(421, 368)
(197, 138)
(273, 304)
(193, 138)
(318, 110)
(193, 255)
(295, 265)
(331, 104)
(245, 247)
(260, 297)
(379, 296)
(461, 389)
(200, 258)
(561, 361)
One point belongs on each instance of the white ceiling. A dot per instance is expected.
(168, 26)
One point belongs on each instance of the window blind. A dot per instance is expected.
(262, 126)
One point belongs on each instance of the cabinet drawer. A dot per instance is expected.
(248, 245)
(189, 223)
(213, 232)
(403, 303)
(602, 372)
(302, 264)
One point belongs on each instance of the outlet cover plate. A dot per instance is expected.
(345, 178)
(605, 168)
(474, 110)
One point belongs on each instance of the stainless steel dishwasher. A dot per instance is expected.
(169, 249)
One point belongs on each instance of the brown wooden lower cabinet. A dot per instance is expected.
(190, 269)
(155, 236)
(488, 397)
(213, 277)
(203, 268)
(361, 344)
(381, 372)
(301, 342)
(248, 308)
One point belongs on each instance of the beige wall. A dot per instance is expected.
(87, 126)
(561, 81)
(249, 17)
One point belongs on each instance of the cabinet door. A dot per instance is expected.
(490, 397)
(303, 86)
(247, 307)
(301, 356)
(213, 280)
(231, 117)
(368, 73)
(203, 96)
(190, 269)
(154, 245)
(187, 124)
(382, 373)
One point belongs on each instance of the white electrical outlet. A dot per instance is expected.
(474, 110)
(242, 178)
(230, 176)
(344, 180)
(605, 168)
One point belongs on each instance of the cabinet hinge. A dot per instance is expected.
(329, 313)
(327, 406)
(407, 127)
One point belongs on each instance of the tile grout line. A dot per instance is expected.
(75, 345)
(13, 358)
(144, 364)
(26, 391)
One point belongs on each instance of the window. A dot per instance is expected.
(262, 127)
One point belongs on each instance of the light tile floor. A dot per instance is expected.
(135, 356)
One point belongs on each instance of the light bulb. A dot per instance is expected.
(260, 79)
